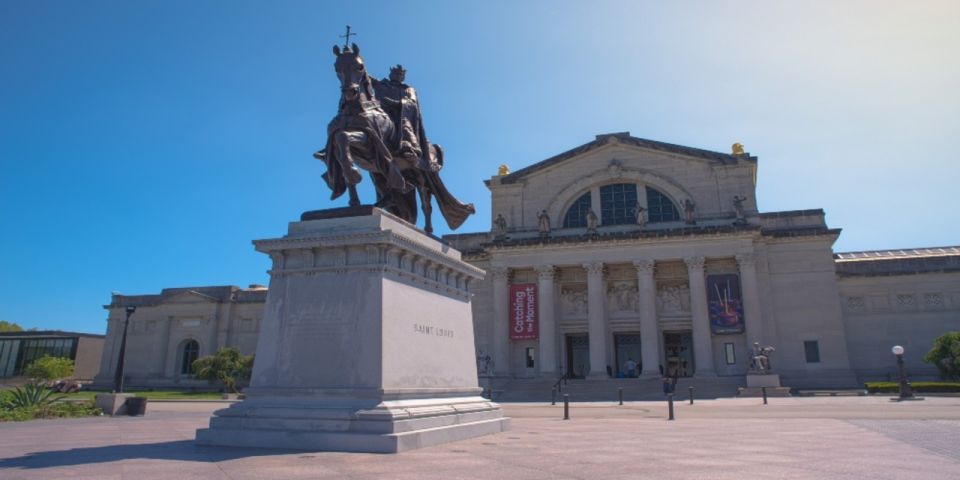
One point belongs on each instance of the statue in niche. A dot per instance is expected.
(688, 211)
(673, 299)
(593, 221)
(573, 301)
(641, 215)
(760, 359)
(738, 207)
(500, 227)
(543, 223)
(622, 297)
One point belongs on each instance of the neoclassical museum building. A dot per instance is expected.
(625, 251)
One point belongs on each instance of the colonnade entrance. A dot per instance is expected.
(678, 353)
(578, 355)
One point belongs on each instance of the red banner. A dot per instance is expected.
(523, 311)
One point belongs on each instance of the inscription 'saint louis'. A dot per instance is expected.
(431, 330)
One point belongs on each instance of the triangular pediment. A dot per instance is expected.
(188, 296)
(624, 139)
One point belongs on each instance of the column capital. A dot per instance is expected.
(746, 260)
(546, 272)
(594, 268)
(500, 273)
(645, 266)
(694, 264)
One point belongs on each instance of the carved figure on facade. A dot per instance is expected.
(673, 299)
(760, 359)
(499, 227)
(543, 223)
(484, 364)
(688, 211)
(593, 221)
(622, 297)
(379, 128)
(640, 213)
(739, 208)
(573, 301)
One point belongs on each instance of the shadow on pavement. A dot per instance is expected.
(183, 450)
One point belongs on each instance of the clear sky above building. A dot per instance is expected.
(144, 144)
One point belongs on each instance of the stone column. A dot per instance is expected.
(702, 339)
(501, 312)
(596, 321)
(750, 291)
(646, 300)
(548, 322)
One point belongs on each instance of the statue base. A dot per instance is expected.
(763, 380)
(366, 343)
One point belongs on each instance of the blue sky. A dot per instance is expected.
(144, 144)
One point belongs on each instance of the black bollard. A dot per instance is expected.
(764, 390)
(553, 396)
(566, 406)
(691, 395)
(620, 393)
(670, 406)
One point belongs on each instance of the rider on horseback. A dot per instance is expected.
(399, 100)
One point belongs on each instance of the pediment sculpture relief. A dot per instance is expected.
(622, 297)
(573, 301)
(673, 299)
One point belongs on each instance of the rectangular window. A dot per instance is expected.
(729, 353)
(531, 352)
(812, 350)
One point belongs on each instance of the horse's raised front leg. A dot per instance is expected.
(342, 140)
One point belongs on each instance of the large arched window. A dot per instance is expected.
(617, 203)
(188, 353)
(660, 208)
(577, 213)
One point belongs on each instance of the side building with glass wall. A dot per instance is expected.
(19, 349)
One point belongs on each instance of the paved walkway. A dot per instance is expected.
(845, 438)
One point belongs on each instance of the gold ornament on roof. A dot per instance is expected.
(503, 170)
(737, 148)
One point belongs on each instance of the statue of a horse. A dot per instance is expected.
(364, 136)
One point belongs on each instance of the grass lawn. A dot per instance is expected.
(154, 395)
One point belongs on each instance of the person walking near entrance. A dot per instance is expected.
(631, 368)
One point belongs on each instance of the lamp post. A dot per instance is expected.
(118, 378)
(906, 392)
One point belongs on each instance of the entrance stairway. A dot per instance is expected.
(603, 390)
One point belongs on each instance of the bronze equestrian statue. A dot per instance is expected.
(379, 128)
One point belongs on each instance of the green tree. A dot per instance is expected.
(48, 369)
(227, 366)
(945, 355)
(6, 326)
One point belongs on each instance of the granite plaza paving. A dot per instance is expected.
(823, 437)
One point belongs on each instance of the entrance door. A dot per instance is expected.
(678, 350)
(626, 348)
(578, 355)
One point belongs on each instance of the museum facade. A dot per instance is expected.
(623, 257)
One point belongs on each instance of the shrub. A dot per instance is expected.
(31, 395)
(945, 355)
(920, 387)
(49, 369)
(227, 366)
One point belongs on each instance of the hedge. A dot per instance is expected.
(920, 387)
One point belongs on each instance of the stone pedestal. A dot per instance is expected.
(112, 403)
(366, 343)
(763, 380)
(757, 381)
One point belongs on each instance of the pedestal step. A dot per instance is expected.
(758, 392)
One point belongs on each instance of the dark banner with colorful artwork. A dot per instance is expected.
(523, 311)
(726, 305)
